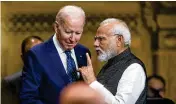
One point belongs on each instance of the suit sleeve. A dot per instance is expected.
(31, 80)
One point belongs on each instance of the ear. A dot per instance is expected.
(119, 40)
(56, 26)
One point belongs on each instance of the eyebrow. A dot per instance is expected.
(66, 28)
(99, 37)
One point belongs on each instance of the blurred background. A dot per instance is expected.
(152, 24)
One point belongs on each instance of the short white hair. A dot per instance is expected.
(71, 11)
(120, 28)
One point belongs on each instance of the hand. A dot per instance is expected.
(87, 71)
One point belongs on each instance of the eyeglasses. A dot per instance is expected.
(102, 38)
(99, 38)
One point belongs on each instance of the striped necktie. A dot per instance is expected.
(71, 67)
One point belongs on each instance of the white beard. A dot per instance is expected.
(109, 53)
(103, 56)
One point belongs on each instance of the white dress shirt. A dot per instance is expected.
(129, 88)
(62, 54)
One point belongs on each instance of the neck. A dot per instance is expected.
(121, 50)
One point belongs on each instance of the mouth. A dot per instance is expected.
(98, 52)
(71, 44)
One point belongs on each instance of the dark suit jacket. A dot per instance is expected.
(44, 75)
(10, 86)
(159, 101)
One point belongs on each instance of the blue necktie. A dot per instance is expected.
(71, 67)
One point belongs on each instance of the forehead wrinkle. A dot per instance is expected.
(69, 23)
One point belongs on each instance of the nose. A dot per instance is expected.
(96, 43)
(72, 37)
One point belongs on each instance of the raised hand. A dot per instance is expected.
(87, 71)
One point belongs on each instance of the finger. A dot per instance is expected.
(80, 69)
(89, 62)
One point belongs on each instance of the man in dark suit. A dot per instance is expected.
(52, 65)
(11, 84)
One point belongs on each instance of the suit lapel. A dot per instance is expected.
(80, 56)
(56, 61)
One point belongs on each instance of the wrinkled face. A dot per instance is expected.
(105, 43)
(69, 32)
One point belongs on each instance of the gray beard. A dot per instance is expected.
(108, 54)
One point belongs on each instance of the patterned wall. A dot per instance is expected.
(43, 21)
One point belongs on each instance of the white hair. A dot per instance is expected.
(71, 11)
(120, 28)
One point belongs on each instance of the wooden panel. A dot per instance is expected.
(166, 21)
(89, 6)
(166, 68)
(167, 39)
